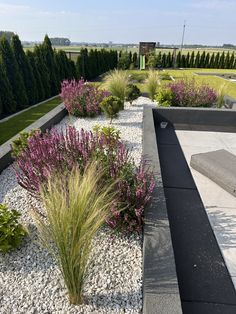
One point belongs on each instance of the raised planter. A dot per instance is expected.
(46, 122)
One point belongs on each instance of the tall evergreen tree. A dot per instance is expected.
(135, 59)
(43, 70)
(25, 69)
(169, 60)
(207, 60)
(187, 60)
(203, 60)
(217, 61)
(40, 93)
(197, 60)
(163, 61)
(8, 104)
(222, 61)
(178, 60)
(159, 59)
(192, 60)
(212, 61)
(49, 60)
(231, 61)
(13, 74)
(227, 61)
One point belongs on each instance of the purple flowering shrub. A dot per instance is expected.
(82, 99)
(188, 93)
(57, 152)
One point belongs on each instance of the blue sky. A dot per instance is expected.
(208, 22)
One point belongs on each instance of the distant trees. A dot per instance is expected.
(60, 41)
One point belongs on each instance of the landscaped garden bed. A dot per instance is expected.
(31, 281)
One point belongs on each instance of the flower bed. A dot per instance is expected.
(31, 280)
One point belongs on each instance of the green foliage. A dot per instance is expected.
(165, 76)
(11, 232)
(75, 211)
(111, 133)
(21, 143)
(14, 76)
(132, 93)
(116, 83)
(111, 105)
(152, 83)
(8, 104)
(220, 97)
(164, 96)
(152, 61)
(124, 61)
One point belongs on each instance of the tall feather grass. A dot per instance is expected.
(221, 93)
(75, 210)
(116, 83)
(152, 83)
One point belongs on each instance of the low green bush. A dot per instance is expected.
(132, 93)
(109, 132)
(21, 143)
(11, 232)
(164, 96)
(111, 105)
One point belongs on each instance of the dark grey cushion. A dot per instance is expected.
(219, 166)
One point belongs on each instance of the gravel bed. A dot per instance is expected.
(30, 282)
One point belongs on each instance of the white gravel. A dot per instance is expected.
(30, 282)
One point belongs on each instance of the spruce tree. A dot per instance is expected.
(12, 71)
(25, 69)
(48, 55)
(8, 104)
(192, 60)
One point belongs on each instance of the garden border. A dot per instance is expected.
(45, 122)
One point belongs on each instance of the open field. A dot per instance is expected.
(19, 122)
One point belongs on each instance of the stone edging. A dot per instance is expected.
(160, 283)
(46, 122)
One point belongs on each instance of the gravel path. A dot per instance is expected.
(30, 281)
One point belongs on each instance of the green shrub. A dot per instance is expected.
(116, 83)
(164, 96)
(11, 232)
(21, 143)
(111, 105)
(132, 93)
(75, 211)
(111, 133)
(152, 83)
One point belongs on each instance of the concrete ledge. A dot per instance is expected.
(46, 122)
(160, 284)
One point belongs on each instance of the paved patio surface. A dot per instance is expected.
(219, 204)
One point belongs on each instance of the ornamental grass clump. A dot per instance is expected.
(57, 152)
(82, 99)
(116, 83)
(152, 83)
(75, 210)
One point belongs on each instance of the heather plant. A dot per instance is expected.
(111, 105)
(132, 93)
(152, 83)
(74, 213)
(11, 231)
(21, 143)
(164, 96)
(116, 83)
(82, 99)
(57, 152)
(188, 93)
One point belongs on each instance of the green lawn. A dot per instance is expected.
(16, 124)
(213, 81)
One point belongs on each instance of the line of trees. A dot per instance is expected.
(31, 77)
(90, 64)
(193, 60)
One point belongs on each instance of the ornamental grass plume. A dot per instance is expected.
(152, 83)
(75, 211)
(116, 83)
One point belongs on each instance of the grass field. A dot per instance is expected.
(213, 81)
(18, 123)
